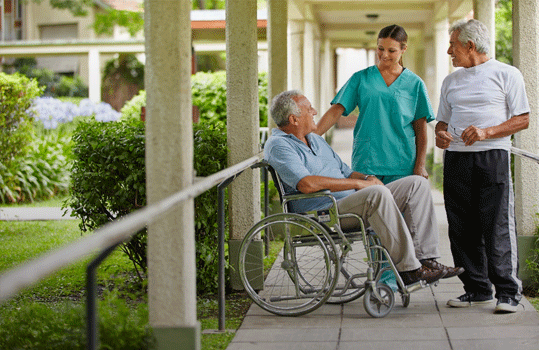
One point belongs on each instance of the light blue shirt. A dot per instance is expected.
(293, 160)
(384, 137)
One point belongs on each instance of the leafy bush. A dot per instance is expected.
(533, 265)
(133, 107)
(109, 181)
(108, 177)
(40, 326)
(210, 157)
(54, 84)
(41, 174)
(71, 87)
(209, 95)
(43, 171)
(128, 67)
(16, 95)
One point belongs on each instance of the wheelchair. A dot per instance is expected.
(315, 261)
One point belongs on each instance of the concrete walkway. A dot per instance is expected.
(34, 214)
(427, 323)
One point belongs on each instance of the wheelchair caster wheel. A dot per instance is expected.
(405, 298)
(379, 303)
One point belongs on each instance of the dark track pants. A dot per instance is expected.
(479, 201)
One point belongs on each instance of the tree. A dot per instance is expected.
(132, 21)
(504, 31)
(104, 22)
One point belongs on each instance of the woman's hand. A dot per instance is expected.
(421, 171)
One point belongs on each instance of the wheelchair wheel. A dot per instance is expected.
(379, 307)
(352, 274)
(353, 271)
(302, 276)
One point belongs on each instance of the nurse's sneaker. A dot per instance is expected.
(506, 305)
(470, 299)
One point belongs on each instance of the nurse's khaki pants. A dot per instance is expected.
(402, 215)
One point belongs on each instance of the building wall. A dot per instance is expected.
(43, 22)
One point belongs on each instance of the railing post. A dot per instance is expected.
(221, 233)
(92, 332)
(221, 248)
(266, 208)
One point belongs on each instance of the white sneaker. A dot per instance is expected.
(470, 299)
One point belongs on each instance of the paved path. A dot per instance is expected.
(33, 214)
(427, 323)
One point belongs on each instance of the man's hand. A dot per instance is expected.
(472, 134)
(372, 180)
(443, 139)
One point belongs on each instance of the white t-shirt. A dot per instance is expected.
(485, 95)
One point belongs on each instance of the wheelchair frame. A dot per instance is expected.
(318, 262)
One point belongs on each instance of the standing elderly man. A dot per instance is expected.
(481, 106)
(401, 213)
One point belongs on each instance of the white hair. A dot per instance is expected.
(474, 31)
(283, 105)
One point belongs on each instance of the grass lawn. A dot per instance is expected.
(32, 318)
(54, 202)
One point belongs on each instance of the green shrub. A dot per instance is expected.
(126, 66)
(108, 177)
(209, 95)
(533, 265)
(133, 107)
(210, 156)
(71, 87)
(16, 95)
(40, 326)
(109, 181)
(41, 174)
(54, 84)
(436, 172)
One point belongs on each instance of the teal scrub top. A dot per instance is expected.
(384, 137)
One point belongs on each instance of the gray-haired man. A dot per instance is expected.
(481, 105)
(401, 213)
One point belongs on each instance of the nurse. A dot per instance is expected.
(390, 135)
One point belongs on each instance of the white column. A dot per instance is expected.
(169, 168)
(327, 78)
(94, 76)
(484, 11)
(442, 68)
(526, 58)
(278, 50)
(242, 120)
(309, 63)
(295, 54)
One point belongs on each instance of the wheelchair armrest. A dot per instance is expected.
(299, 195)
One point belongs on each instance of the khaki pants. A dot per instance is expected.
(402, 215)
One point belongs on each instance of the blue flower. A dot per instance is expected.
(51, 111)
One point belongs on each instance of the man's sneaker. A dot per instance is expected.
(470, 299)
(423, 273)
(450, 271)
(506, 305)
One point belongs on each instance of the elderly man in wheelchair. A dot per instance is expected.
(400, 213)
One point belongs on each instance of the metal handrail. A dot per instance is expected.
(525, 154)
(106, 239)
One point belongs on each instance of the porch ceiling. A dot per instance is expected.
(356, 23)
